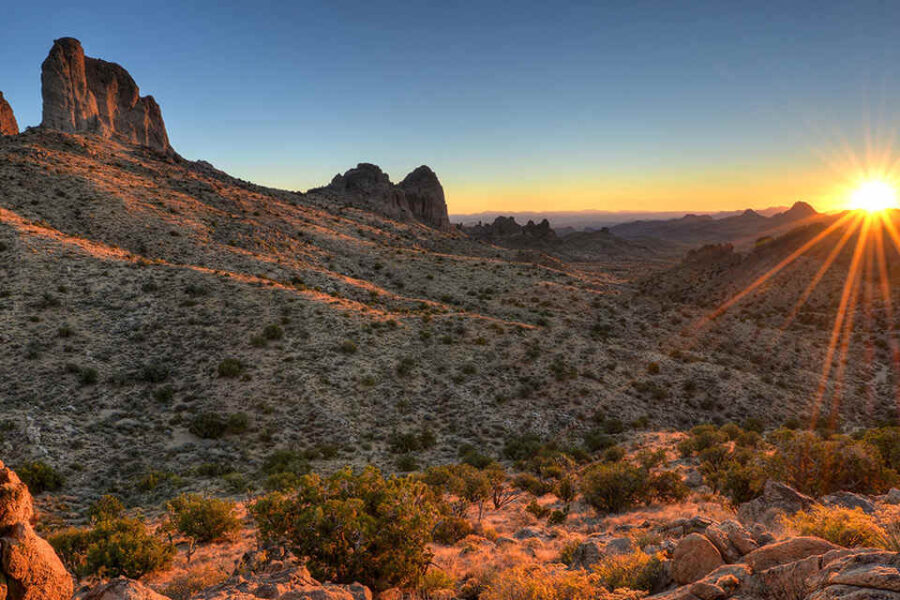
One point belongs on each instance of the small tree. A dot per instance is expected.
(201, 520)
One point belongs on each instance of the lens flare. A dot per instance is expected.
(874, 196)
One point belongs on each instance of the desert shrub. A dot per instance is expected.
(532, 484)
(522, 447)
(282, 482)
(40, 477)
(354, 526)
(201, 519)
(470, 486)
(208, 425)
(230, 367)
(348, 347)
(273, 332)
(557, 517)
(286, 461)
(196, 579)
(614, 454)
(408, 441)
(535, 508)
(597, 439)
(539, 582)
(819, 467)
(112, 548)
(471, 456)
(667, 486)
(406, 463)
(613, 487)
(636, 570)
(105, 508)
(701, 438)
(846, 527)
(451, 528)
(887, 441)
(434, 581)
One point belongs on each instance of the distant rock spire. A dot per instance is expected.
(8, 125)
(83, 94)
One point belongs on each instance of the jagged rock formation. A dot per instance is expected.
(8, 125)
(29, 569)
(89, 95)
(505, 229)
(418, 197)
(123, 589)
(425, 197)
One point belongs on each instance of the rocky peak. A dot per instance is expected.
(8, 125)
(88, 95)
(419, 196)
(799, 210)
(425, 197)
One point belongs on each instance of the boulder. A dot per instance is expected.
(694, 557)
(123, 589)
(892, 497)
(8, 124)
(787, 551)
(849, 500)
(777, 499)
(861, 574)
(619, 546)
(29, 568)
(88, 95)
(731, 540)
(587, 554)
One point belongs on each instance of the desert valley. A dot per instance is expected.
(215, 389)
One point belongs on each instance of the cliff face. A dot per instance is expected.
(419, 196)
(83, 94)
(425, 197)
(8, 125)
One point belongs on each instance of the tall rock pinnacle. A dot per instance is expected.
(83, 94)
(425, 197)
(8, 125)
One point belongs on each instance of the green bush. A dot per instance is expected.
(451, 528)
(112, 548)
(613, 487)
(354, 526)
(212, 426)
(106, 508)
(40, 477)
(636, 571)
(286, 461)
(202, 519)
(230, 367)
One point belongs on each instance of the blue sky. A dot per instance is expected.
(530, 105)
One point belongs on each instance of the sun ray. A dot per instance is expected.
(827, 365)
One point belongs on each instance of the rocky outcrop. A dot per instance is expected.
(123, 589)
(8, 124)
(29, 569)
(776, 501)
(262, 575)
(425, 197)
(695, 557)
(418, 197)
(89, 95)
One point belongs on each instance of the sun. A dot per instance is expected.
(873, 196)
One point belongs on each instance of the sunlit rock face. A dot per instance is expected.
(89, 95)
(8, 125)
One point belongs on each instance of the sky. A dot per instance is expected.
(524, 105)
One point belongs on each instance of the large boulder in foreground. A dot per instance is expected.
(88, 95)
(29, 568)
(695, 557)
(8, 124)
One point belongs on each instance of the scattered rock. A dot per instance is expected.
(777, 499)
(731, 540)
(619, 546)
(694, 557)
(89, 95)
(892, 497)
(8, 124)
(849, 500)
(123, 589)
(587, 554)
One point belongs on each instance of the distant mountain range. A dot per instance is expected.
(747, 226)
(595, 219)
